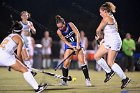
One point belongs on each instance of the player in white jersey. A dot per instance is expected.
(112, 42)
(84, 42)
(46, 50)
(26, 35)
(8, 58)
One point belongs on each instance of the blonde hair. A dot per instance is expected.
(109, 7)
(29, 15)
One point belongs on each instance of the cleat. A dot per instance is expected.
(109, 76)
(125, 82)
(63, 83)
(88, 84)
(33, 73)
(41, 88)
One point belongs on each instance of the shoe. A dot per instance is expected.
(64, 83)
(88, 84)
(33, 73)
(125, 82)
(41, 88)
(109, 76)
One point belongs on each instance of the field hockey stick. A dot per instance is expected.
(69, 78)
(64, 60)
(97, 40)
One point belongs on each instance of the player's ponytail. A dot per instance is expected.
(109, 7)
(59, 19)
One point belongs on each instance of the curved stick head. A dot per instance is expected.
(69, 78)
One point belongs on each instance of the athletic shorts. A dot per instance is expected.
(46, 51)
(113, 41)
(7, 59)
(73, 44)
(25, 40)
(30, 46)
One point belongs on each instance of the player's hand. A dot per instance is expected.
(78, 47)
(97, 37)
(75, 49)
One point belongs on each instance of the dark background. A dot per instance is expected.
(83, 13)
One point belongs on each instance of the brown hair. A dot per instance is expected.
(109, 7)
(29, 15)
(59, 19)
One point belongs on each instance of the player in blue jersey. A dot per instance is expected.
(71, 37)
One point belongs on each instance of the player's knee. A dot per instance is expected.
(96, 57)
(23, 69)
(110, 63)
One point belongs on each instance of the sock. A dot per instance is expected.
(116, 68)
(31, 62)
(79, 65)
(44, 63)
(27, 63)
(85, 71)
(48, 63)
(30, 79)
(65, 73)
(60, 60)
(104, 65)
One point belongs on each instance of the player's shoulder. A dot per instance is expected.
(70, 23)
(30, 22)
(16, 37)
(58, 31)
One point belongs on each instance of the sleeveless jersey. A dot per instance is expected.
(8, 44)
(46, 42)
(111, 28)
(69, 34)
(25, 26)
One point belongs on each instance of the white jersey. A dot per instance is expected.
(25, 27)
(8, 44)
(7, 49)
(111, 28)
(46, 50)
(46, 42)
(111, 36)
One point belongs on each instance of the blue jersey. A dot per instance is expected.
(69, 34)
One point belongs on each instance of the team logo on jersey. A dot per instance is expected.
(69, 34)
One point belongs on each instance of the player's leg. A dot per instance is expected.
(18, 66)
(98, 57)
(81, 59)
(48, 61)
(26, 57)
(85, 59)
(66, 64)
(116, 68)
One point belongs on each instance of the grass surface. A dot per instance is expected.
(13, 82)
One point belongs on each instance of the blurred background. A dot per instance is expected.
(84, 14)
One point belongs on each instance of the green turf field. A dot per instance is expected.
(13, 82)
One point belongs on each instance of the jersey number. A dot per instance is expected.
(72, 39)
(4, 43)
